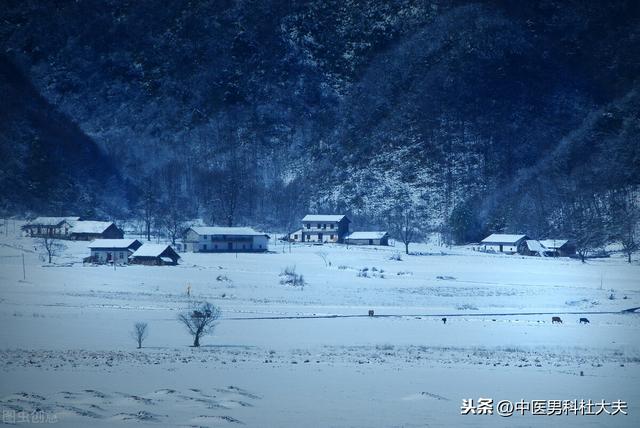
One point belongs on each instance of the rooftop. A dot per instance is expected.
(151, 250)
(367, 235)
(323, 217)
(232, 231)
(500, 238)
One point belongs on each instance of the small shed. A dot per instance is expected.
(295, 236)
(560, 247)
(155, 255)
(112, 250)
(90, 230)
(504, 243)
(367, 238)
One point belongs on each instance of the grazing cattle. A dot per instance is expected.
(584, 321)
(556, 320)
(370, 312)
(444, 320)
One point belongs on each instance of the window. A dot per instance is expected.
(318, 225)
(243, 246)
(324, 226)
(260, 246)
(215, 246)
(331, 226)
(204, 247)
(308, 227)
(204, 236)
(122, 255)
(295, 237)
(331, 236)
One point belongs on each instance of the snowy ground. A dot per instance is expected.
(278, 356)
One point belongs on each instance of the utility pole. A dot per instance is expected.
(24, 271)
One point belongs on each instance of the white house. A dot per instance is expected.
(112, 250)
(324, 228)
(504, 243)
(207, 239)
(367, 238)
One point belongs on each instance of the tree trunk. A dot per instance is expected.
(148, 224)
(196, 341)
(629, 255)
(406, 247)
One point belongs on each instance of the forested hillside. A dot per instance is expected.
(474, 117)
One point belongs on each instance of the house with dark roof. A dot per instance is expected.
(324, 228)
(90, 230)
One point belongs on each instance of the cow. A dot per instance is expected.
(370, 312)
(556, 320)
(584, 321)
(444, 320)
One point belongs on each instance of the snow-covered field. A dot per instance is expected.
(284, 356)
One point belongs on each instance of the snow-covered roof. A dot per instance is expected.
(536, 246)
(366, 235)
(554, 244)
(232, 231)
(297, 232)
(90, 226)
(322, 217)
(52, 221)
(500, 238)
(151, 250)
(112, 243)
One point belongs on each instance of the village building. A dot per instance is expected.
(112, 250)
(90, 230)
(560, 247)
(208, 239)
(504, 243)
(295, 236)
(324, 228)
(54, 227)
(155, 255)
(367, 238)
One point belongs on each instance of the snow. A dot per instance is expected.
(322, 217)
(499, 238)
(150, 250)
(89, 226)
(536, 246)
(285, 357)
(112, 243)
(231, 231)
(366, 235)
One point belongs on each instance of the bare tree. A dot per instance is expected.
(139, 333)
(147, 205)
(403, 224)
(325, 257)
(51, 246)
(200, 320)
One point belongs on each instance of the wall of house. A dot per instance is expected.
(197, 243)
(120, 256)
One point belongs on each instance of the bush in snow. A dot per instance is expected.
(396, 256)
(467, 306)
(289, 277)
